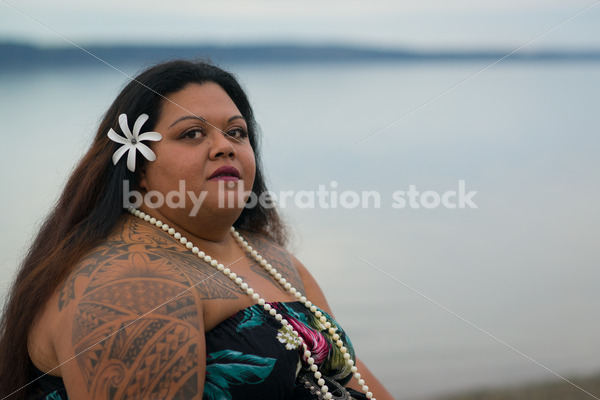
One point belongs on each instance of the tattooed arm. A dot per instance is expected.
(131, 327)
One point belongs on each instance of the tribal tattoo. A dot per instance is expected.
(136, 327)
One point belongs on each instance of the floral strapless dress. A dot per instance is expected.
(251, 356)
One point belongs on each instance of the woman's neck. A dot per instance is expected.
(210, 234)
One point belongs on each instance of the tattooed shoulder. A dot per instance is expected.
(277, 255)
(137, 252)
(135, 304)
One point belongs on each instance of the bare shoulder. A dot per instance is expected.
(312, 289)
(278, 256)
(299, 276)
(131, 321)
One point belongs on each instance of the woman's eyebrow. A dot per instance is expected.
(236, 117)
(188, 117)
(202, 119)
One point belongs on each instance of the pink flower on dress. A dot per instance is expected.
(316, 342)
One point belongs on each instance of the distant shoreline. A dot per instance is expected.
(25, 56)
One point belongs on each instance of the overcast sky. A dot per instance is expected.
(408, 23)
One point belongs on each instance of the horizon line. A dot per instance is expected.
(26, 55)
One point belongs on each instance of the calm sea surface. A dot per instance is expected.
(434, 298)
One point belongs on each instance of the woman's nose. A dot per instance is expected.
(221, 146)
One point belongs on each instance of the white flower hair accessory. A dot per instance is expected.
(133, 141)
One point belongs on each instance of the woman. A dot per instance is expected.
(117, 304)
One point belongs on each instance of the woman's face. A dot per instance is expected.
(204, 150)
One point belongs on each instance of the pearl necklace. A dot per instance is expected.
(324, 390)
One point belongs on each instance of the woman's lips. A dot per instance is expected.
(226, 178)
(226, 173)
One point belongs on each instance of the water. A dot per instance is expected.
(428, 295)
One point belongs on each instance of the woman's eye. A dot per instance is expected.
(192, 134)
(237, 133)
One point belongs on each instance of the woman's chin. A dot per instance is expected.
(228, 208)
